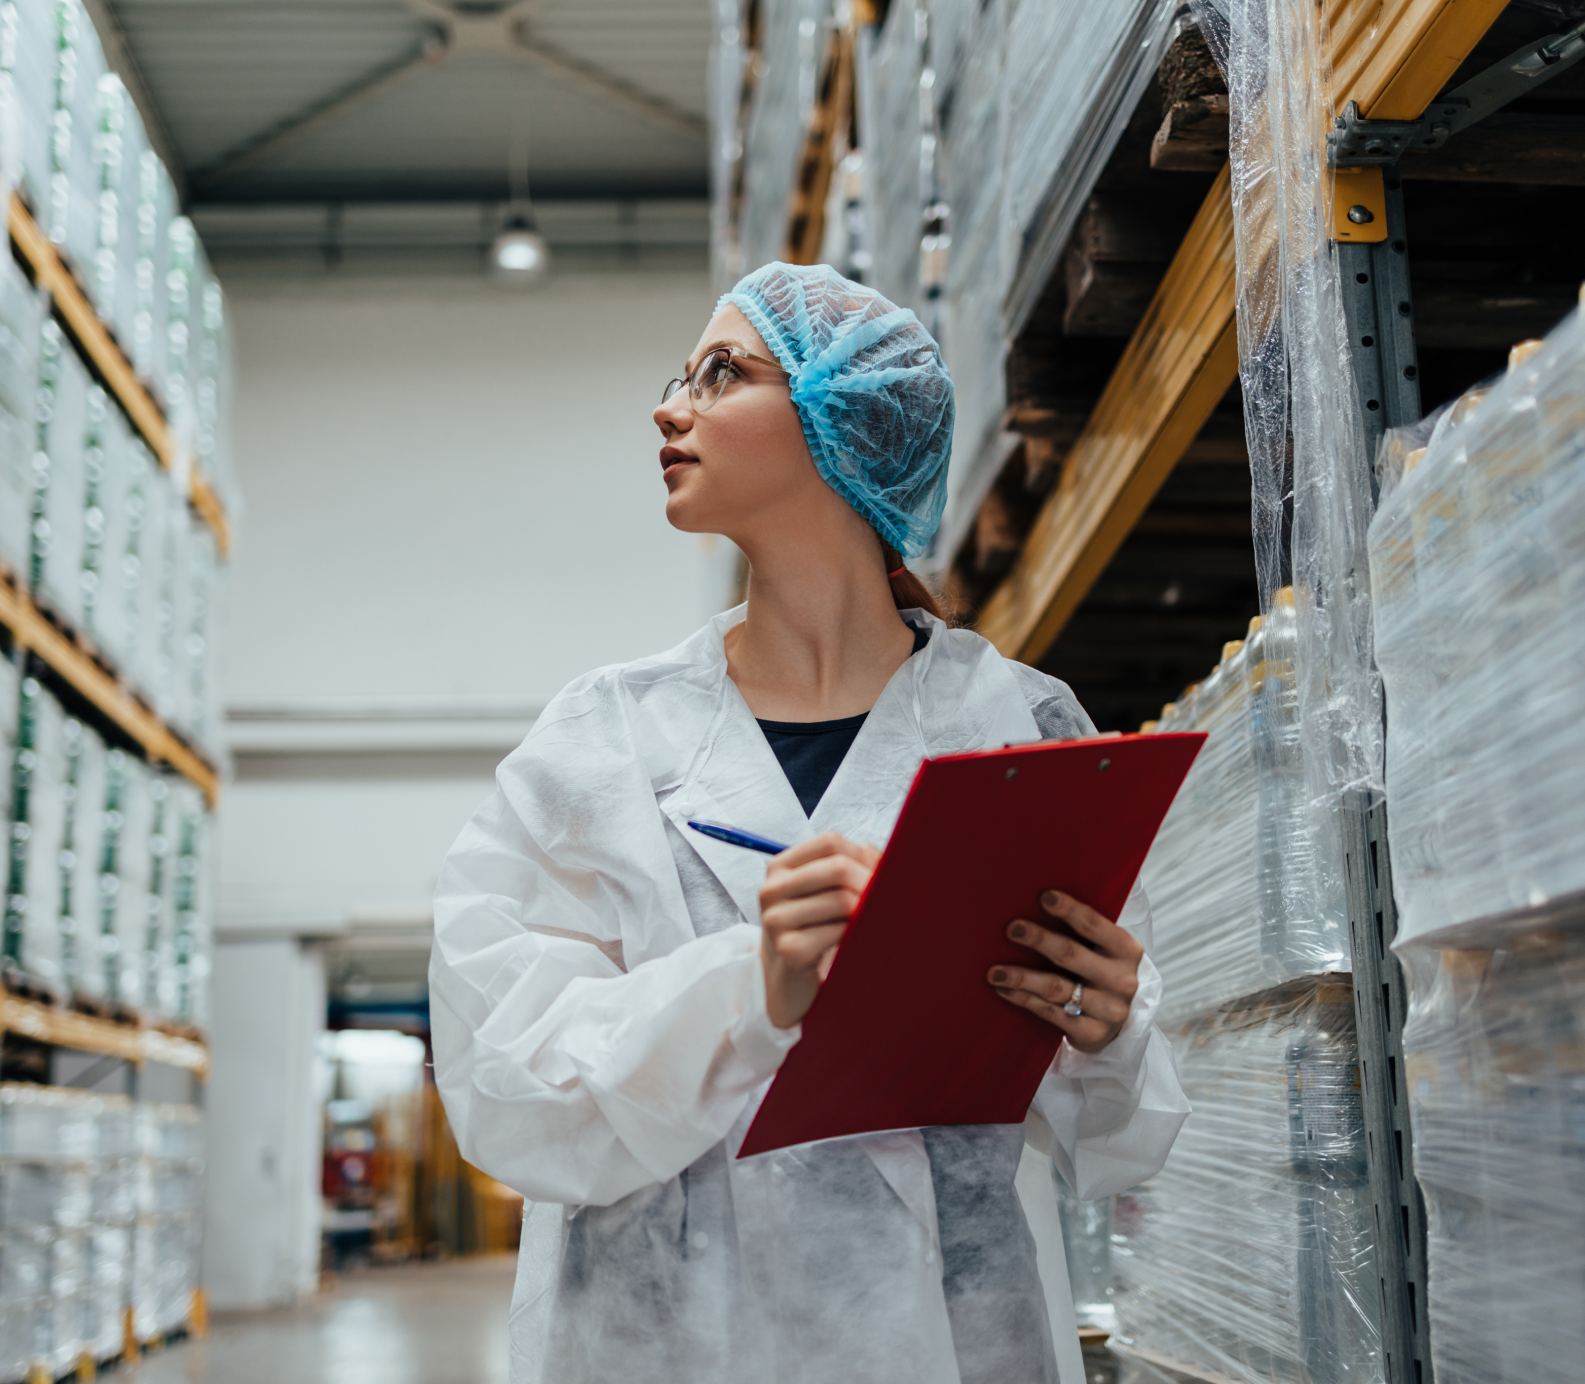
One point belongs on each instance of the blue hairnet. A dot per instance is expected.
(871, 391)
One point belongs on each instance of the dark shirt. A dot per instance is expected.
(811, 752)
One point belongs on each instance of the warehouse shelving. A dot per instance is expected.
(1103, 466)
(66, 652)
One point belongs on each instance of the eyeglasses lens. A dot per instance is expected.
(672, 386)
(710, 379)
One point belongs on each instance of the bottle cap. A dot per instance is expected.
(1522, 352)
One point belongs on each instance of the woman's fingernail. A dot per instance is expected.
(998, 976)
(1015, 931)
(1051, 899)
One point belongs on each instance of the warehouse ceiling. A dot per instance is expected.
(300, 101)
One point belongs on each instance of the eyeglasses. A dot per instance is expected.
(710, 376)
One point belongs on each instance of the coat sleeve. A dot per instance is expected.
(565, 1076)
(1108, 1119)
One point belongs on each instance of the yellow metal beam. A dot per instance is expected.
(1393, 57)
(1179, 364)
(104, 356)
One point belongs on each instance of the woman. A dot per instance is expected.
(612, 992)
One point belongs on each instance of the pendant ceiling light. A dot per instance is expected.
(519, 255)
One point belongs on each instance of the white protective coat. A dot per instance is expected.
(601, 1044)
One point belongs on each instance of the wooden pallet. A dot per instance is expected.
(136, 1042)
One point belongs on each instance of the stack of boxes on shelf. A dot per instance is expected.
(100, 1206)
(108, 885)
(1477, 561)
(1250, 1256)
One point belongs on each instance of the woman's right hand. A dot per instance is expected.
(809, 893)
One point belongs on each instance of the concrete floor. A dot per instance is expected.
(407, 1324)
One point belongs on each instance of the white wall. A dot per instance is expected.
(453, 507)
(453, 489)
(261, 1241)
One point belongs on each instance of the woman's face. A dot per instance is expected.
(743, 463)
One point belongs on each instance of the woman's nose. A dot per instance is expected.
(674, 415)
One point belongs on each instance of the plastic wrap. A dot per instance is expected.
(1494, 1052)
(974, 137)
(107, 475)
(81, 829)
(1250, 1256)
(793, 34)
(1075, 73)
(1477, 564)
(193, 888)
(28, 63)
(21, 316)
(1233, 875)
(156, 211)
(1310, 479)
(100, 1205)
(895, 117)
(148, 511)
(58, 482)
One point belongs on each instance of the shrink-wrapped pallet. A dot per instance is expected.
(27, 92)
(1476, 567)
(1234, 873)
(1250, 1255)
(107, 472)
(37, 831)
(56, 559)
(974, 135)
(892, 103)
(82, 815)
(1494, 1052)
(21, 319)
(70, 212)
(193, 887)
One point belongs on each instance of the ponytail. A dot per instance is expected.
(908, 592)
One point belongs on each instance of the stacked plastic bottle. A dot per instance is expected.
(109, 872)
(100, 1213)
(1249, 1256)
(1477, 564)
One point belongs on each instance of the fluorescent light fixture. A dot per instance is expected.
(519, 255)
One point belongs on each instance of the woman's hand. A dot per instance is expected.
(809, 893)
(1101, 957)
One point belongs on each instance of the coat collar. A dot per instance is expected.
(955, 694)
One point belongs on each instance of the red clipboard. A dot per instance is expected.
(905, 1032)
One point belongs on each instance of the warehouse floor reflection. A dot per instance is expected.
(426, 1323)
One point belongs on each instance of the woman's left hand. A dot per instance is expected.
(1102, 958)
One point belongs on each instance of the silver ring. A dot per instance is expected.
(1071, 1008)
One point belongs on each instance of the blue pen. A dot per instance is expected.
(733, 837)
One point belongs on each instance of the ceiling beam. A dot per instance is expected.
(607, 84)
(318, 113)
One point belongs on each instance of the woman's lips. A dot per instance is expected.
(671, 457)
